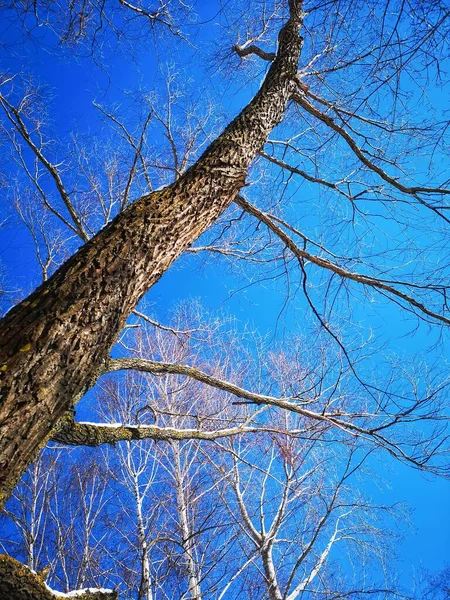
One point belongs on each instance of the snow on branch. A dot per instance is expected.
(72, 433)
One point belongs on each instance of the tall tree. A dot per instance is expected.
(256, 515)
(357, 129)
(53, 344)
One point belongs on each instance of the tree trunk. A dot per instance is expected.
(53, 344)
(145, 588)
(187, 534)
(270, 574)
(17, 582)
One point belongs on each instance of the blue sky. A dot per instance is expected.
(73, 83)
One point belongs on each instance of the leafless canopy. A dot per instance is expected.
(328, 191)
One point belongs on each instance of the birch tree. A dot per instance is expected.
(54, 522)
(294, 514)
(268, 513)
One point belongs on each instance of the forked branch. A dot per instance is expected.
(380, 285)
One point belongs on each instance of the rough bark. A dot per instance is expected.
(17, 582)
(72, 433)
(53, 344)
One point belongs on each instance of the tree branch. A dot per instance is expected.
(411, 191)
(378, 284)
(71, 433)
(158, 325)
(304, 174)
(339, 420)
(244, 51)
(16, 119)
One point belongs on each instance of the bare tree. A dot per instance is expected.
(183, 519)
(291, 508)
(54, 526)
(336, 200)
(27, 511)
(240, 142)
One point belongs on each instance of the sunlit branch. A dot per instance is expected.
(160, 15)
(307, 549)
(319, 563)
(336, 419)
(379, 285)
(163, 368)
(239, 254)
(301, 100)
(236, 575)
(244, 51)
(72, 433)
(158, 325)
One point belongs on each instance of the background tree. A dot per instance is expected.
(438, 586)
(257, 514)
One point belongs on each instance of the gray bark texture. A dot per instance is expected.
(54, 343)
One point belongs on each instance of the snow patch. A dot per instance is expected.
(105, 425)
(79, 593)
